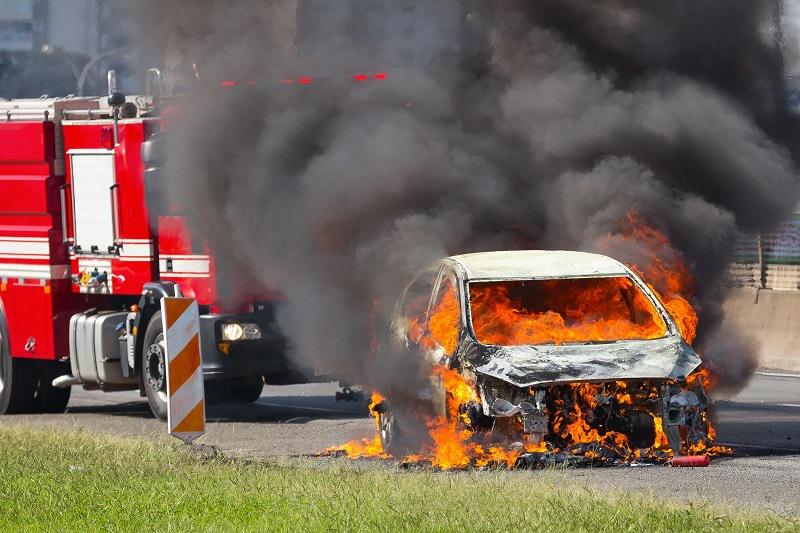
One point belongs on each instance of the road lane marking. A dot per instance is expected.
(778, 375)
(789, 404)
(304, 408)
(758, 447)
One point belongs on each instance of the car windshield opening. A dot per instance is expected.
(562, 311)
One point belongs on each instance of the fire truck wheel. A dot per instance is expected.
(51, 399)
(17, 380)
(154, 372)
(248, 390)
(239, 390)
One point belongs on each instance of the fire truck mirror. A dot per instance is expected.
(153, 156)
(155, 191)
(153, 149)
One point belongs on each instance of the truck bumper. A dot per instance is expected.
(264, 357)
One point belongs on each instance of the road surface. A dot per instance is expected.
(762, 422)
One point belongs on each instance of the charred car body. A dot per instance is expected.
(563, 350)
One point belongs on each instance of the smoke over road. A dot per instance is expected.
(520, 125)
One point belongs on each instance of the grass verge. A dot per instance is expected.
(74, 481)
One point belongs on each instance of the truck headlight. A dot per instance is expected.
(235, 331)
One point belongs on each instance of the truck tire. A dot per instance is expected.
(51, 399)
(17, 379)
(248, 390)
(154, 372)
(238, 390)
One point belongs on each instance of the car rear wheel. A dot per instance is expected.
(154, 369)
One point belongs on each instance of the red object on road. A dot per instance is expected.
(691, 460)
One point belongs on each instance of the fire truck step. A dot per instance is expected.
(63, 382)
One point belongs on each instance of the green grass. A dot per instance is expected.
(74, 481)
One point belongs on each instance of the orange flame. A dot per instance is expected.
(453, 441)
(373, 447)
(664, 270)
(561, 311)
(445, 318)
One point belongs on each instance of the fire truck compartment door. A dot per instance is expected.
(92, 179)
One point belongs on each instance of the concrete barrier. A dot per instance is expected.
(772, 319)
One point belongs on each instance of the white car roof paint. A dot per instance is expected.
(536, 264)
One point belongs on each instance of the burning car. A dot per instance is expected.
(543, 352)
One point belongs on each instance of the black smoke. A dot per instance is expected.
(508, 124)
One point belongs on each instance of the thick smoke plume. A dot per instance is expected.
(508, 124)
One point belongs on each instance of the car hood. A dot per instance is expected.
(524, 366)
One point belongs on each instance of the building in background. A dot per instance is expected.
(79, 27)
(16, 26)
(75, 32)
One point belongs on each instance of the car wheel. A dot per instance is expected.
(643, 431)
(154, 367)
(17, 379)
(391, 436)
(51, 399)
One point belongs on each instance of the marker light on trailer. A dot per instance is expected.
(228, 83)
(305, 80)
(361, 77)
(380, 76)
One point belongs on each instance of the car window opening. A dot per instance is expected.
(445, 318)
(562, 311)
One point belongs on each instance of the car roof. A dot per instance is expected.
(523, 264)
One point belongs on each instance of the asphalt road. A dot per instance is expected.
(762, 424)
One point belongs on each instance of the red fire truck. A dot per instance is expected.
(88, 247)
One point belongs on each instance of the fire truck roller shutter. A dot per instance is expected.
(93, 210)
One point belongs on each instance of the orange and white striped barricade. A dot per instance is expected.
(186, 406)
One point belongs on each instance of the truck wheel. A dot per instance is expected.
(154, 369)
(239, 390)
(247, 390)
(17, 380)
(51, 399)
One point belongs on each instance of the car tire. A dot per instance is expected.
(391, 435)
(643, 431)
(51, 399)
(153, 367)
